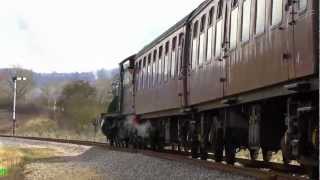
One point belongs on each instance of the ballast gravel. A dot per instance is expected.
(84, 162)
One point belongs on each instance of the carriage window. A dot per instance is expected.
(140, 74)
(173, 57)
(209, 43)
(209, 35)
(303, 4)
(180, 50)
(149, 71)
(210, 18)
(195, 45)
(145, 73)
(136, 66)
(202, 40)
(246, 10)
(260, 16)
(160, 65)
(276, 12)
(234, 3)
(203, 23)
(155, 63)
(218, 38)
(234, 27)
(166, 61)
(220, 8)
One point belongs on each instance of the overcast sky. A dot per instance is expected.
(81, 35)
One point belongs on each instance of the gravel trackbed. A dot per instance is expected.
(85, 162)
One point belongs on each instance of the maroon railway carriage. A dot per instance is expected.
(232, 74)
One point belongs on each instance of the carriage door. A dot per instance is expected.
(182, 77)
(229, 42)
(221, 43)
(299, 20)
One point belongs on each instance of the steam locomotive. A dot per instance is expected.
(232, 74)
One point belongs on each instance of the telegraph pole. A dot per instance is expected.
(15, 79)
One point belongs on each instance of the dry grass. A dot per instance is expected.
(13, 159)
(45, 127)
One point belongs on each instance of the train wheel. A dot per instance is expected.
(218, 155)
(230, 155)
(218, 146)
(203, 153)
(194, 151)
(266, 155)
(254, 153)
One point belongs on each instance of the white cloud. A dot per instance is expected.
(81, 35)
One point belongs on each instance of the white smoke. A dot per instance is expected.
(142, 129)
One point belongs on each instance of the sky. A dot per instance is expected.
(81, 35)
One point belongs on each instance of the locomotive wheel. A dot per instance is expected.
(267, 155)
(194, 151)
(230, 155)
(254, 153)
(218, 146)
(218, 155)
(203, 153)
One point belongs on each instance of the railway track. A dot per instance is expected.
(257, 169)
